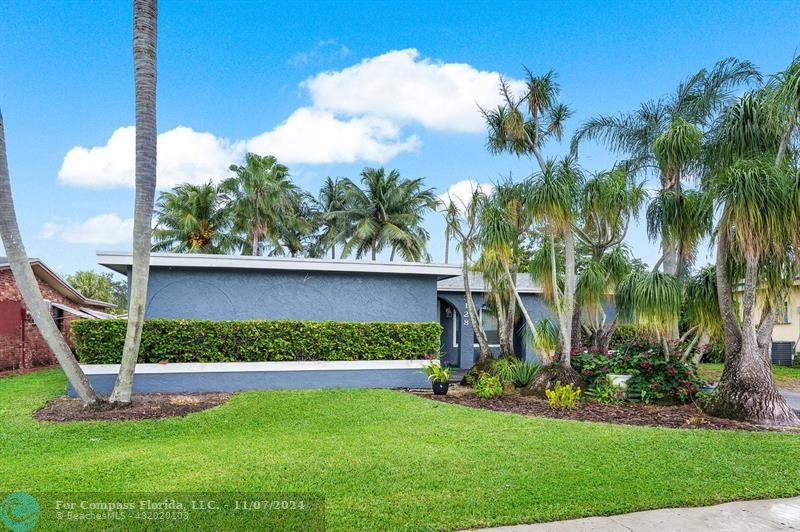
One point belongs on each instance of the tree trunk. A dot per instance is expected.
(144, 66)
(374, 246)
(506, 341)
(333, 252)
(565, 320)
(29, 287)
(747, 389)
(577, 313)
(485, 352)
(391, 256)
(446, 249)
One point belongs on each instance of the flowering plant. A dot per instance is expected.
(437, 370)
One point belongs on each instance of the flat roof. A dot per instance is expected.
(119, 262)
(477, 284)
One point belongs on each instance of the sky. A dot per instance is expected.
(329, 88)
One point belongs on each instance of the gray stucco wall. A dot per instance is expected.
(231, 294)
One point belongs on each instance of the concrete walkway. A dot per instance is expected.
(774, 514)
(793, 398)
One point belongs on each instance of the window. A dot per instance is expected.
(490, 327)
(58, 317)
(456, 329)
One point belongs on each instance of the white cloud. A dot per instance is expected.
(184, 155)
(101, 229)
(401, 86)
(323, 50)
(313, 136)
(460, 192)
(356, 114)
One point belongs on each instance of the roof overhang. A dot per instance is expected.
(43, 272)
(121, 261)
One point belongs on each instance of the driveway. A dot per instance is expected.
(774, 514)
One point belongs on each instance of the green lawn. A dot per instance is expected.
(389, 460)
(785, 376)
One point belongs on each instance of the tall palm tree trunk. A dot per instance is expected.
(29, 287)
(565, 320)
(446, 249)
(485, 352)
(746, 389)
(144, 66)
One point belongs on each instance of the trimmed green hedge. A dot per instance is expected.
(101, 341)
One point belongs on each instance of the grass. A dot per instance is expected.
(787, 377)
(390, 460)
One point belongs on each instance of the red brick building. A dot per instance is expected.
(21, 345)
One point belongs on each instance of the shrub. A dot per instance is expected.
(653, 377)
(101, 341)
(603, 391)
(515, 371)
(523, 372)
(562, 397)
(488, 386)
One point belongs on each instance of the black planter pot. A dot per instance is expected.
(440, 388)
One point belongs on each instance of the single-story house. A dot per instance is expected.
(21, 345)
(234, 287)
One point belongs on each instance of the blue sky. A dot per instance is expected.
(330, 87)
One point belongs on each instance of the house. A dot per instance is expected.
(228, 287)
(21, 345)
(786, 333)
(459, 346)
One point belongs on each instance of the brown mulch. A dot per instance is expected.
(143, 406)
(671, 416)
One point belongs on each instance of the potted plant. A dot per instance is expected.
(439, 375)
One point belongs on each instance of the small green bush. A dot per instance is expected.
(488, 386)
(101, 341)
(604, 392)
(515, 371)
(561, 397)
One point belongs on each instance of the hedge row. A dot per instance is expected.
(101, 341)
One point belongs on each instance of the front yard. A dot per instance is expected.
(389, 460)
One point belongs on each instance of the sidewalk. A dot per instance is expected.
(774, 514)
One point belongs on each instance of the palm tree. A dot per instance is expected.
(262, 198)
(464, 223)
(665, 137)
(194, 219)
(505, 226)
(608, 203)
(696, 101)
(387, 212)
(145, 13)
(756, 197)
(331, 199)
(522, 126)
(552, 202)
(29, 287)
(450, 211)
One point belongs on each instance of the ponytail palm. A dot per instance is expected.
(758, 221)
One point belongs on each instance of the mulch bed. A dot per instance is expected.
(671, 416)
(143, 406)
